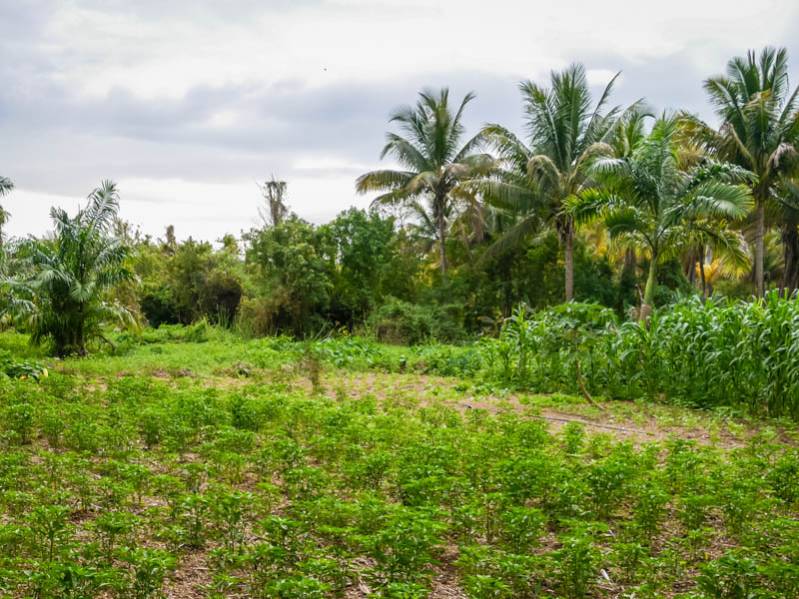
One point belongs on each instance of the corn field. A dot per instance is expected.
(726, 353)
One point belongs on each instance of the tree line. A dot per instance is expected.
(594, 202)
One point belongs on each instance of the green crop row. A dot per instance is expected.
(116, 487)
(736, 354)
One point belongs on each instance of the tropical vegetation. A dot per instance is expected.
(399, 403)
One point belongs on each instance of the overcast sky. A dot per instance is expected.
(186, 104)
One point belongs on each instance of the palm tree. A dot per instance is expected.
(437, 165)
(565, 134)
(759, 129)
(5, 188)
(60, 291)
(648, 201)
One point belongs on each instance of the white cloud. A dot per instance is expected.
(188, 103)
(202, 210)
(601, 77)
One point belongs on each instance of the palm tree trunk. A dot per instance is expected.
(629, 261)
(568, 260)
(691, 270)
(649, 290)
(442, 243)
(760, 231)
(704, 279)
(790, 254)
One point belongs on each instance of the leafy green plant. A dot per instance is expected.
(578, 560)
(148, 569)
(711, 354)
(59, 295)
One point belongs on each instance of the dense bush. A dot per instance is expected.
(309, 279)
(370, 261)
(405, 323)
(290, 268)
(189, 281)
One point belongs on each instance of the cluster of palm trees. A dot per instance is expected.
(664, 187)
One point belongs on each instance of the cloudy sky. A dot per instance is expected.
(187, 104)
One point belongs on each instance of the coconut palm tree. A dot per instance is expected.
(437, 163)
(646, 200)
(759, 130)
(5, 188)
(60, 292)
(565, 132)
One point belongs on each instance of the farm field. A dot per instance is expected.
(268, 468)
(540, 342)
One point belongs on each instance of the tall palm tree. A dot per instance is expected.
(759, 129)
(429, 148)
(60, 291)
(5, 188)
(648, 201)
(565, 133)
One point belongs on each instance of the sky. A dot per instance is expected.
(189, 104)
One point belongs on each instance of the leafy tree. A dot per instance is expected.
(759, 130)
(292, 268)
(436, 164)
(565, 134)
(370, 263)
(60, 293)
(649, 201)
(184, 282)
(187, 272)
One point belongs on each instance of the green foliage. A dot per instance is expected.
(405, 323)
(713, 354)
(189, 281)
(291, 267)
(282, 492)
(60, 293)
(370, 264)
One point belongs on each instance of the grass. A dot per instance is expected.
(220, 468)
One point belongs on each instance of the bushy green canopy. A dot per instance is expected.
(60, 291)
(650, 201)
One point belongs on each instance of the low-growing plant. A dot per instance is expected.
(149, 567)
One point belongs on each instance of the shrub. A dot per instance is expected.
(405, 323)
(159, 306)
